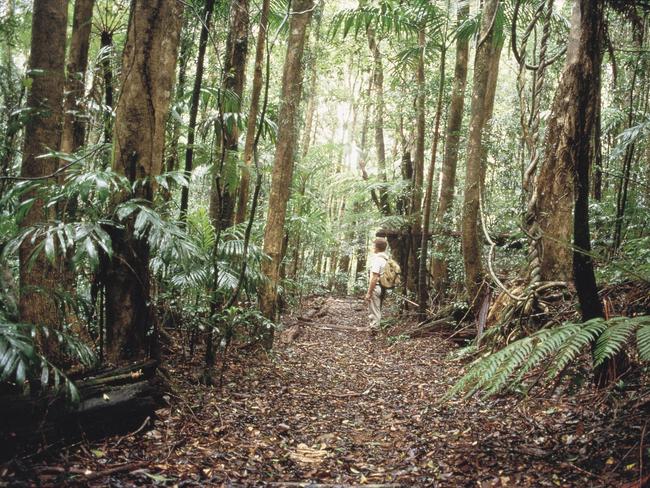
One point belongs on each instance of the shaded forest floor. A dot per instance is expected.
(333, 405)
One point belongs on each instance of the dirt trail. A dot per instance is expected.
(337, 407)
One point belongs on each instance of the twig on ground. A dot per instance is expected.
(139, 429)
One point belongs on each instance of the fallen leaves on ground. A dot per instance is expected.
(336, 406)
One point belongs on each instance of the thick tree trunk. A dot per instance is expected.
(150, 52)
(555, 183)
(253, 111)
(450, 159)
(474, 173)
(194, 105)
(74, 125)
(38, 279)
(284, 153)
(223, 199)
(580, 84)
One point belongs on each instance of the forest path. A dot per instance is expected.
(338, 407)
(333, 406)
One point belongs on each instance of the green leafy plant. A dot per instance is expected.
(553, 349)
(22, 363)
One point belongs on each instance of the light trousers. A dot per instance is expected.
(374, 307)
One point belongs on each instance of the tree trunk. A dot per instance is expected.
(172, 159)
(222, 199)
(418, 171)
(598, 149)
(150, 52)
(474, 173)
(580, 84)
(555, 183)
(450, 159)
(74, 126)
(106, 43)
(423, 293)
(313, 78)
(194, 105)
(378, 86)
(284, 153)
(38, 279)
(253, 111)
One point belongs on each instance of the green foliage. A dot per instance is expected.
(22, 363)
(554, 349)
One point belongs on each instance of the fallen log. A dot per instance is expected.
(111, 402)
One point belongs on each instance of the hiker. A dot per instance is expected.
(376, 292)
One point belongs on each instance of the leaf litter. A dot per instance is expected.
(333, 406)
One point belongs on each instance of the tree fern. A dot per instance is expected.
(558, 347)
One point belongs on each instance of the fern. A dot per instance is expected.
(556, 348)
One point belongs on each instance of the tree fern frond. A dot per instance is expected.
(507, 368)
(611, 341)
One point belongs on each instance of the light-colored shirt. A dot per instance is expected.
(378, 263)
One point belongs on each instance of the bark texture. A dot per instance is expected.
(38, 279)
(253, 112)
(222, 199)
(450, 159)
(555, 184)
(284, 155)
(74, 125)
(474, 174)
(149, 62)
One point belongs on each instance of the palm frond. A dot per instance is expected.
(22, 363)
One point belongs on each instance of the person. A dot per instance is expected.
(375, 295)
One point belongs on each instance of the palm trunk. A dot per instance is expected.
(284, 154)
(106, 43)
(172, 159)
(150, 52)
(418, 170)
(194, 105)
